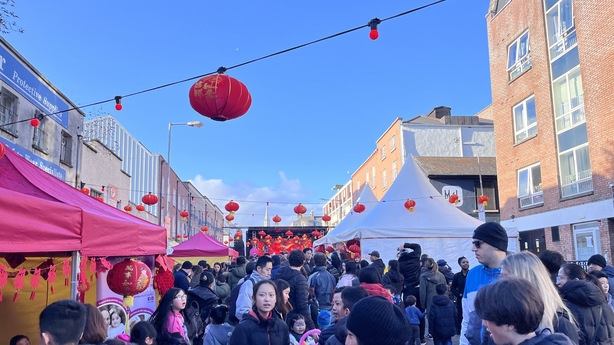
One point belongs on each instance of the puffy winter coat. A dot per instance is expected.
(256, 330)
(428, 282)
(379, 264)
(409, 264)
(206, 299)
(393, 278)
(442, 317)
(299, 295)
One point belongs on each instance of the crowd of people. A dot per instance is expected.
(310, 298)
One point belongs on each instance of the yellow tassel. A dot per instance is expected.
(128, 301)
(485, 203)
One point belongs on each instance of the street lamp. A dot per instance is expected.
(196, 124)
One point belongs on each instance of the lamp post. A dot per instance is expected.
(196, 124)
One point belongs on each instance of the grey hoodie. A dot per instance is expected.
(218, 334)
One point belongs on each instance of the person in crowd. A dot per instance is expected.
(375, 321)
(218, 332)
(222, 289)
(338, 311)
(445, 270)
(396, 296)
(176, 268)
(349, 277)
(169, 320)
(393, 277)
(597, 263)
(490, 248)
(336, 333)
(371, 281)
(197, 270)
(512, 310)
(357, 259)
(296, 324)
(557, 317)
(309, 263)
(363, 264)
(62, 323)
(605, 286)
(204, 294)
(409, 265)
(587, 304)
(95, 331)
(118, 321)
(299, 295)
(264, 265)
(249, 269)
(143, 333)
(414, 315)
(204, 265)
(19, 339)
(377, 262)
(553, 262)
(276, 266)
(335, 265)
(182, 277)
(260, 326)
(428, 284)
(217, 270)
(458, 288)
(442, 317)
(323, 285)
(237, 273)
(283, 305)
(423, 258)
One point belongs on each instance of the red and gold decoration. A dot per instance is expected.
(277, 219)
(483, 199)
(18, 283)
(128, 208)
(184, 214)
(128, 278)
(66, 271)
(35, 280)
(261, 233)
(330, 249)
(230, 217)
(220, 97)
(204, 228)
(354, 248)
(99, 198)
(35, 122)
(232, 207)
(140, 208)
(85, 191)
(359, 208)
(326, 218)
(409, 205)
(238, 235)
(4, 276)
(226, 242)
(316, 234)
(300, 210)
(51, 276)
(2, 150)
(149, 199)
(453, 199)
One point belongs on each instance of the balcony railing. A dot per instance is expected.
(520, 66)
(582, 184)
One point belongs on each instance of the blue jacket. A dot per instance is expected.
(182, 281)
(414, 315)
(471, 327)
(323, 284)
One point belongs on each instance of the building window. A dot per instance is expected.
(568, 100)
(358, 184)
(518, 56)
(393, 143)
(384, 181)
(95, 194)
(66, 148)
(394, 170)
(530, 186)
(560, 27)
(586, 240)
(39, 138)
(367, 178)
(576, 173)
(488, 188)
(383, 152)
(373, 176)
(8, 111)
(525, 119)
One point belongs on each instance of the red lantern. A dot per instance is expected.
(410, 204)
(289, 233)
(99, 198)
(300, 210)
(128, 208)
(150, 199)
(248, 243)
(226, 242)
(238, 234)
(320, 249)
(261, 233)
(354, 248)
(277, 219)
(128, 278)
(330, 249)
(184, 214)
(453, 199)
(232, 207)
(315, 233)
(231, 239)
(230, 217)
(326, 218)
(2, 150)
(35, 122)
(359, 208)
(85, 191)
(204, 228)
(140, 208)
(220, 97)
(483, 199)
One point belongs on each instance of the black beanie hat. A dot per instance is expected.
(597, 259)
(493, 234)
(186, 265)
(377, 321)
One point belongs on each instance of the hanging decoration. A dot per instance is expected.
(261, 233)
(409, 205)
(140, 208)
(128, 278)
(118, 103)
(220, 97)
(4, 277)
(184, 214)
(232, 207)
(238, 235)
(483, 199)
(316, 234)
(93, 269)
(354, 248)
(204, 228)
(85, 191)
(2, 150)
(330, 249)
(51, 276)
(128, 208)
(149, 199)
(34, 282)
(18, 283)
(359, 208)
(453, 199)
(35, 122)
(163, 280)
(226, 242)
(289, 233)
(373, 23)
(231, 239)
(277, 219)
(83, 284)
(326, 218)
(66, 270)
(230, 217)
(99, 198)
(300, 210)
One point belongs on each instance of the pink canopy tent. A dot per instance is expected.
(39, 213)
(202, 245)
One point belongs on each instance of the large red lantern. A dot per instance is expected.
(261, 233)
(277, 219)
(409, 205)
(289, 233)
(204, 228)
(232, 207)
(85, 191)
(230, 217)
(326, 218)
(359, 208)
(220, 97)
(99, 198)
(483, 199)
(128, 278)
(2, 150)
(128, 208)
(184, 214)
(140, 208)
(300, 210)
(150, 199)
(354, 248)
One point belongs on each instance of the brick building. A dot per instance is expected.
(552, 79)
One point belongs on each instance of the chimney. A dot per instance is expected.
(440, 112)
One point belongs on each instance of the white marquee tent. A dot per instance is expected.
(442, 230)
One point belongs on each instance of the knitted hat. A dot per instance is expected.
(375, 320)
(493, 234)
(186, 265)
(597, 259)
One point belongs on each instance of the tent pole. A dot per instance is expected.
(74, 275)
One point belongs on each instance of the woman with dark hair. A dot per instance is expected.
(20, 339)
(458, 288)
(197, 271)
(168, 318)
(217, 270)
(283, 305)
(143, 333)
(218, 332)
(393, 277)
(349, 277)
(371, 281)
(428, 283)
(95, 331)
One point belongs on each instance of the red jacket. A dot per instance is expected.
(376, 290)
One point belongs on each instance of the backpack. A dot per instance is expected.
(194, 323)
(232, 302)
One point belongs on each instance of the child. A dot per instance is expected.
(296, 323)
(118, 323)
(442, 317)
(218, 332)
(605, 286)
(396, 295)
(413, 315)
(512, 310)
(143, 333)
(168, 318)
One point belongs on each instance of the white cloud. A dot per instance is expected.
(252, 199)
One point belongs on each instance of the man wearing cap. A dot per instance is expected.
(377, 262)
(597, 263)
(181, 277)
(490, 248)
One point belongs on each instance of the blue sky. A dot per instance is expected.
(316, 111)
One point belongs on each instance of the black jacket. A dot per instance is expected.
(545, 337)
(255, 330)
(327, 333)
(442, 317)
(341, 332)
(458, 286)
(379, 264)
(182, 281)
(206, 299)
(393, 278)
(589, 306)
(409, 265)
(299, 295)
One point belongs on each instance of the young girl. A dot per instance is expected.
(283, 306)
(296, 323)
(218, 332)
(260, 326)
(143, 333)
(118, 322)
(168, 319)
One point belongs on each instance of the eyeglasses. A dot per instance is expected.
(181, 297)
(477, 244)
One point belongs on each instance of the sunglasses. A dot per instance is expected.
(477, 244)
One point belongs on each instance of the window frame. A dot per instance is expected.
(8, 115)
(66, 148)
(373, 177)
(587, 228)
(535, 194)
(383, 152)
(528, 127)
(393, 142)
(521, 63)
(384, 179)
(565, 39)
(394, 171)
(582, 180)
